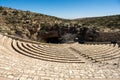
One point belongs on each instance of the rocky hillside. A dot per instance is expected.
(40, 27)
(24, 23)
(105, 23)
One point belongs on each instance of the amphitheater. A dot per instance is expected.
(28, 60)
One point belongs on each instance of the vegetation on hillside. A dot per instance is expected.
(111, 22)
(40, 27)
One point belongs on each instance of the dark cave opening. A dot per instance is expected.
(54, 40)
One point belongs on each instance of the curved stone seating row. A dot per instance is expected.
(50, 53)
(104, 52)
(54, 53)
(96, 54)
(91, 51)
(18, 46)
(47, 53)
(97, 48)
(105, 55)
(100, 51)
(54, 50)
(15, 66)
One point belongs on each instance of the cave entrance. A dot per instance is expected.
(54, 40)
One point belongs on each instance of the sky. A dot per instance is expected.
(69, 9)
